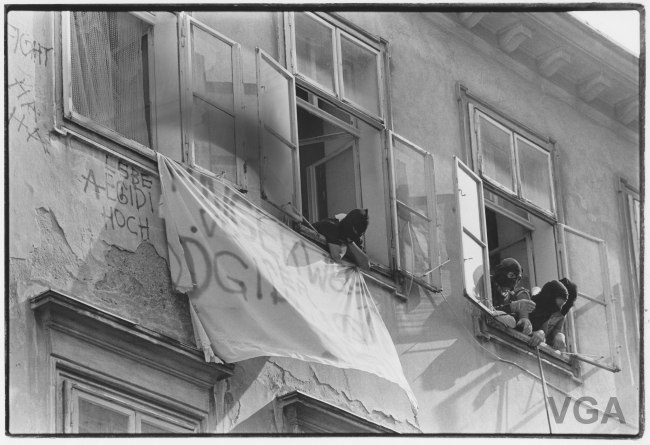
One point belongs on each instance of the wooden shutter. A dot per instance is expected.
(473, 236)
(276, 96)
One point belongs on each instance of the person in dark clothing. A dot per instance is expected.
(343, 234)
(552, 304)
(512, 305)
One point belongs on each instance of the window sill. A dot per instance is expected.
(142, 157)
(378, 273)
(492, 330)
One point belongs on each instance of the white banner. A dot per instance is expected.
(258, 289)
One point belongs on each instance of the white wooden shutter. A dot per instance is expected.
(473, 236)
(276, 96)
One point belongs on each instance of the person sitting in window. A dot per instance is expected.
(552, 304)
(343, 234)
(511, 305)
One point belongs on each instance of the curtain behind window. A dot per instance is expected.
(108, 72)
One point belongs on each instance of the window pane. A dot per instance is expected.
(504, 203)
(108, 71)
(360, 80)
(277, 170)
(275, 101)
(535, 174)
(149, 428)
(593, 329)
(469, 204)
(214, 140)
(95, 418)
(335, 185)
(496, 152)
(585, 265)
(150, 425)
(314, 50)
(410, 177)
(634, 209)
(413, 242)
(212, 69)
(475, 280)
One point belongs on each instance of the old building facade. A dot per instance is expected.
(469, 137)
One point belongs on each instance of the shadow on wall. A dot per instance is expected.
(247, 375)
(476, 395)
(467, 378)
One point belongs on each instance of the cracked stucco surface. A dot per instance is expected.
(134, 285)
(258, 381)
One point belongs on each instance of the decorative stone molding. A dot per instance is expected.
(550, 62)
(299, 413)
(471, 19)
(593, 86)
(627, 110)
(94, 326)
(511, 37)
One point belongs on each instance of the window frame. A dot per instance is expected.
(476, 109)
(490, 328)
(527, 237)
(628, 195)
(312, 185)
(339, 28)
(295, 203)
(607, 302)
(186, 22)
(485, 324)
(88, 124)
(75, 384)
(387, 268)
(395, 203)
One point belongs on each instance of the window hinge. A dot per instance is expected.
(183, 36)
(186, 148)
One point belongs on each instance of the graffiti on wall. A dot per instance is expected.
(25, 44)
(23, 115)
(126, 195)
(22, 112)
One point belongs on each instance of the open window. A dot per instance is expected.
(507, 209)
(340, 110)
(337, 61)
(329, 158)
(413, 210)
(212, 96)
(593, 322)
(513, 162)
(279, 176)
(513, 167)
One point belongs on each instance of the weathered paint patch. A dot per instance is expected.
(257, 382)
(137, 286)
